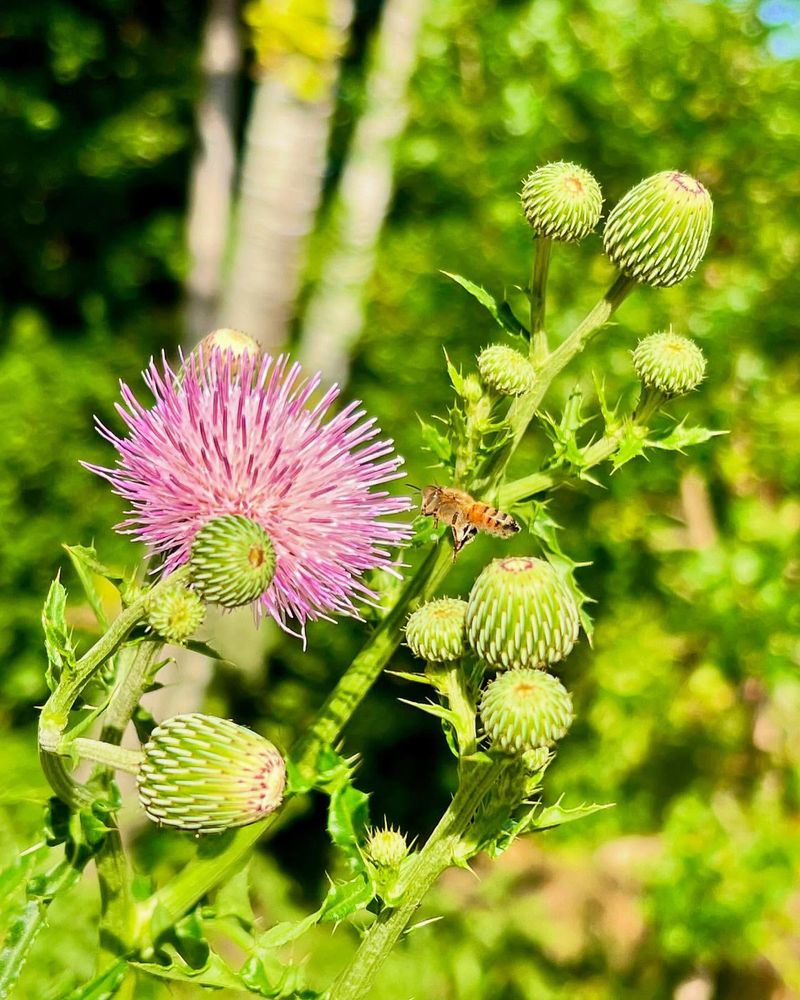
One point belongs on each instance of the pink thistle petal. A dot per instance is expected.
(246, 438)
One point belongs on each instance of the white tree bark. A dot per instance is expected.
(282, 170)
(335, 314)
(213, 169)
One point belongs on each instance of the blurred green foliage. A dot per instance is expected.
(688, 704)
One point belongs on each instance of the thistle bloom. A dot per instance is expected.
(242, 437)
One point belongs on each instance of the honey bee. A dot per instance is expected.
(465, 515)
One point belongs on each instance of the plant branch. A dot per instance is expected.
(436, 856)
(541, 268)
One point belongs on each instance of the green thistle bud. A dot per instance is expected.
(224, 339)
(659, 232)
(206, 774)
(386, 847)
(232, 561)
(562, 201)
(174, 612)
(505, 370)
(523, 710)
(521, 614)
(473, 390)
(435, 631)
(669, 363)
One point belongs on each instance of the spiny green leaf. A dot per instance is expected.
(556, 815)
(348, 819)
(87, 567)
(215, 972)
(57, 639)
(499, 311)
(633, 442)
(104, 986)
(346, 898)
(682, 437)
(456, 378)
(435, 442)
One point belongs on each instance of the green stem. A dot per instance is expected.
(541, 268)
(107, 754)
(55, 714)
(436, 856)
(362, 673)
(463, 708)
(539, 482)
(117, 912)
(524, 407)
(54, 717)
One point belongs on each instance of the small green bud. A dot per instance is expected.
(473, 390)
(659, 232)
(521, 614)
(174, 612)
(670, 363)
(562, 201)
(206, 774)
(505, 370)
(386, 847)
(232, 561)
(523, 710)
(435, 631)
(225, 339)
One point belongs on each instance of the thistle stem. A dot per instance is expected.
(117, 913)
(435, 857)
(541, 268)
(524, 407)
(54, 717)
(107, 754)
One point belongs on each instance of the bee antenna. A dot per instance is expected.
(413, 487)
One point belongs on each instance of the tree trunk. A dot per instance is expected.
(335, 314)
(211, 182)
(282, 170)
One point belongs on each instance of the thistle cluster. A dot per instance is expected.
(247, 492)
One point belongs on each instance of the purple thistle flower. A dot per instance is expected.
(241, 436)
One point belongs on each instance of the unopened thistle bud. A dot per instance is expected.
(521, 614)
(386, 847)
(174, 612)
(206, 774)
(523, 710)
(234, 341)
(435, 632)
(670, 363)
(505, 370)
(232, 561)
(659, 232)
(562, 201)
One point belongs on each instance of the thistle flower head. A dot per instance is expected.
(505, 370)
(670, 363)
(435, 631)
(523, 710)
(659, 232)
(562, 201)
(206, 774)
(174, 612)
(521, 614)
(243, 436)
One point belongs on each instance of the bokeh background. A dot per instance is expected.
(302, 170)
